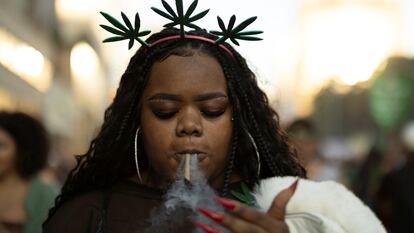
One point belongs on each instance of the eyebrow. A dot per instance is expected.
(164, 96)
(199, 98)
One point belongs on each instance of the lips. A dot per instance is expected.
(199, 154)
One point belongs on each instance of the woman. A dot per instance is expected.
(24, 198)
(179, 96)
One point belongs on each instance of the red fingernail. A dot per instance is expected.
(211, 214)
(294, 185)
(205, 227)
(227, 203)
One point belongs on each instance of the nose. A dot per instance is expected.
(189, 123)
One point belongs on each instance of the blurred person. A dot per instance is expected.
(395, 199)
(24, 197)
(366, 182)
(303, 136)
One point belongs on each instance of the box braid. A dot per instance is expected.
(272, 142)
(246, 163)
(279, 156)
(230, 164)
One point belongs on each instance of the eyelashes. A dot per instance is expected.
(164, 115)
(213, 114)
(169, 114)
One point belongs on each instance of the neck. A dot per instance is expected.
(218, 182)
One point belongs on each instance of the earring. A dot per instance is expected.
(136, 154)
(257, 152)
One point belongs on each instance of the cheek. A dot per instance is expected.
(221, 139)
(157, 139)
(220, 136)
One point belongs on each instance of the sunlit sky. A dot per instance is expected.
(303, 44)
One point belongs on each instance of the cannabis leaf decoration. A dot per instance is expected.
(235, 34)
(187, 19)
(126, 32)
(246, 197)
(180, 18)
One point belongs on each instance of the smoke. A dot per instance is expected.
(182, 200)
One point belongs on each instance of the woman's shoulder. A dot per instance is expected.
(81, 203)
(326, 201)
(41, 192)
(83, 212)
(77, 214)
(39, 199)
(92, 199)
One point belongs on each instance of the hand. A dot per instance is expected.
(242, 219)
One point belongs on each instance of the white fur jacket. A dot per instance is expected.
(319, 207)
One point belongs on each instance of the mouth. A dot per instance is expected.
(181, 155)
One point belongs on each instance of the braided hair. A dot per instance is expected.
(109, 158)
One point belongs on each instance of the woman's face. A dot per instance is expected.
(185, 108)
(7, 153)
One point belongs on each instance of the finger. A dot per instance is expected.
(233, 223)
(278, 208)
(249, 214)
(205, 227)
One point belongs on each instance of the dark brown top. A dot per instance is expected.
(9, 227)
(128, 209)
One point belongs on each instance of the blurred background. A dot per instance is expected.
(339, 72)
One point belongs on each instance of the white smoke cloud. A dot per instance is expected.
(182, 200)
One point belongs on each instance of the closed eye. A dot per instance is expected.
(212, 114)
(164, 114)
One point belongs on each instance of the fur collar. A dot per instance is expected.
(330, 200)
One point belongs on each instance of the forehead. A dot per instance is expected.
(187, 74)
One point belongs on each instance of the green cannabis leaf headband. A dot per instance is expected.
(132, 33)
